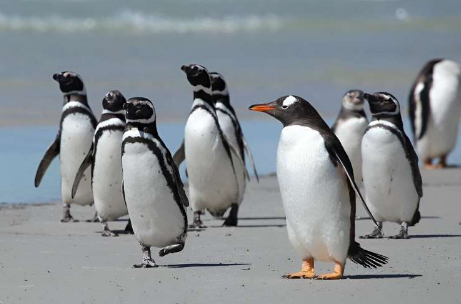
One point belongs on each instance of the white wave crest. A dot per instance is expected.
(139, 23)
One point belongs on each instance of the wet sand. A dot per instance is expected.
(44, 261)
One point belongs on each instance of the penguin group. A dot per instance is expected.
(122, 166)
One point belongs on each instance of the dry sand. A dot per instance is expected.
(44, 261)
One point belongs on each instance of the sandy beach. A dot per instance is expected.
(44, 261)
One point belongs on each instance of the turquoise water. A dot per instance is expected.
(23, 148)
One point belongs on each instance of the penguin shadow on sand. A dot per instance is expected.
(256, 218)
(382, 276)
(200, 265)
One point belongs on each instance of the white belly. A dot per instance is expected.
(315, 196)
(229, 130)
(156, 218)
(390, 191)
(76, 138)
(445, 102)
(107, 177)
(350, 133)
(212, 184)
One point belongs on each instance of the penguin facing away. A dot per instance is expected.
(74, 138)
(211, 158)
(435, 109)
(391, 176)
(152, 187)
(349, 128)
(317, 186)
(104, 158)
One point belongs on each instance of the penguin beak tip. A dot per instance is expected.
(261, 108)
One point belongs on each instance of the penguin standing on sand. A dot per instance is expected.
(391, 176)
(72, 142)
(349, 128)
(435, 109)
(317, 184)
(104, 158)
(211, 158)
(152, 187)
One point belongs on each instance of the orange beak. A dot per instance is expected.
(261, 107)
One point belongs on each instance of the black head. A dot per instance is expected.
(218, 84)
(70, 83)
(139, 110)
(198, 77)
(290, 110)
(383, 103)
(353, 100)
(113, 102)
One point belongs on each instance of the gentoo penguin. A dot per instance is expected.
(317, 184)
(152, 187)
(435, 109)
(349, 127)
(72, 142)
(210, 156)
(104, 158)
(391, 176)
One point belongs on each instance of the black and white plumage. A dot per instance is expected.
(349, 128)
(317, 185)
(391, 175)
(72, 142)
(435, 109)
(152, 187)
(104, 158)
(211, 158)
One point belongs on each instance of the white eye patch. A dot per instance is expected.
(289, 101)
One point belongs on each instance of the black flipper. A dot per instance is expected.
(237, 154)
(180, 155)
(250, 157)
(52, 151)
(178, 181)
(88, 161)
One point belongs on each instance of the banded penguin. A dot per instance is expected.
(104, 158)
(72, 142)
(391, 176)
(152, 187)
(211, 158)
(317, 185)
(435, 109)
(349, 128)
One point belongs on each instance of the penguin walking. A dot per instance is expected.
(317, 185)
(152, 187)
(391, 176)
(72, 142)
(211, 158)
(349, 128)
(435, 109)
(104, 158)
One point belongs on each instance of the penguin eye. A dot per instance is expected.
(284, 107)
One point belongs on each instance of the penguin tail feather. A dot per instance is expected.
(416, 218)
(366, 258)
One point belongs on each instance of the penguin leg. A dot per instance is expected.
(376, 234)
(129, 228)
(335, 275)
(147, 261)
(171, 249)
(442, 162)
(67, 218)
(94, 219)
(197, 223)
(232, 219)
(428, 164)
(105, 229)
(307, 271)
(403, 234)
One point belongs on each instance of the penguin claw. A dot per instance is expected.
(69, 219)
(300, 275)
(376, 234)
(146, 264)
(197, 224)
(108, 233)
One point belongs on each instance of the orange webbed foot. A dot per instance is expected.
(336, 275)
(307, 271)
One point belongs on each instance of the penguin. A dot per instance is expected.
(152, 187)
(104, 158)
(435, 109)
(349, 128)
(317, 185)
(231, 128)
(391, 176)
(72, 142)
(211, 158)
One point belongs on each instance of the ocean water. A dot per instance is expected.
(317, 49)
